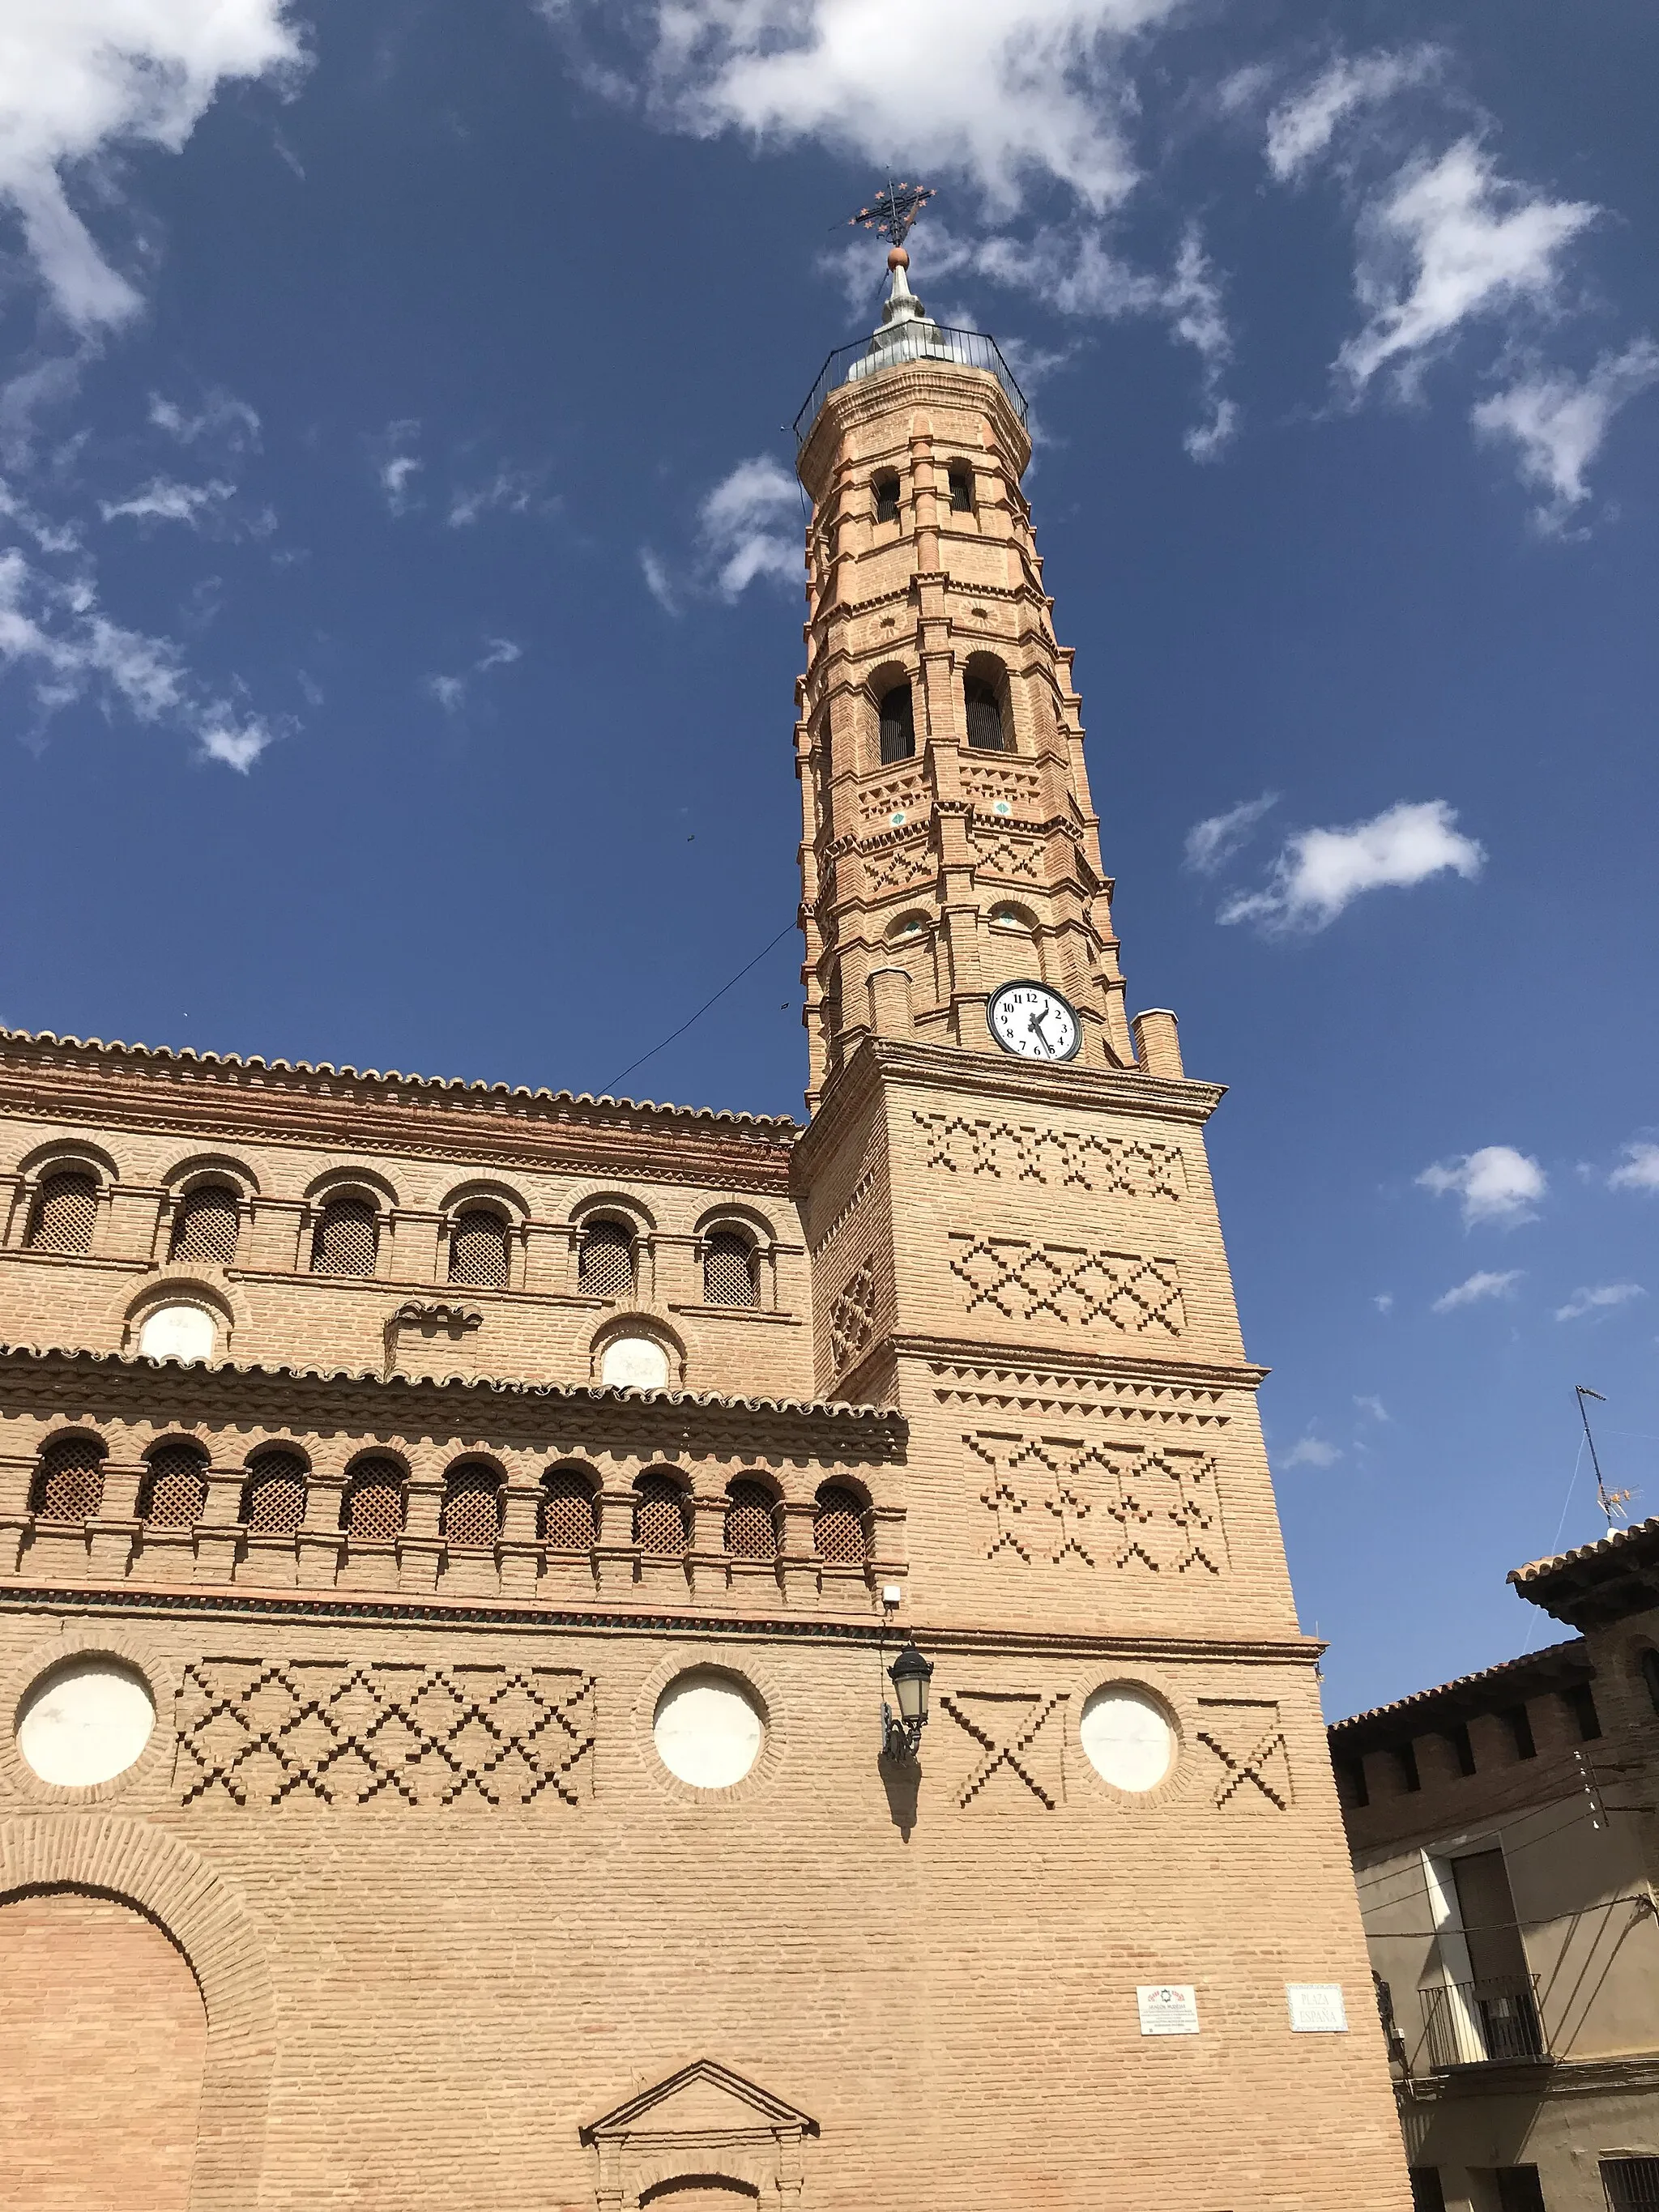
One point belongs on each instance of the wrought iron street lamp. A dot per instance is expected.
(910, 1675)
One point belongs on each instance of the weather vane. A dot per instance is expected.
(892, 213)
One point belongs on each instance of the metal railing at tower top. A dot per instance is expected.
(862, 357)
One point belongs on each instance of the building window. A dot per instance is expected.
(1650, 1676)
(184, 1333)
(985, 730)
(1580, 1701)
(898, 725)
(606, 1268)
(68, 1483)
(1517, 2189)
(1518, 1721)
(65, 1210)
(372, 1510)
(838, 1535)
(346, 1238)
(472, 1506)
(1351, 1786)
(751, 1530)
(661, 1524)
(477, 1249)
(886, 490)
(206, 1226)
(1427, 2194)
(1631, 2183)
(274, 1499)
(175, 1488)
(567, 1520)
(1462, 1750)
(728, 1269)
(962, 489)
(1405, 1756)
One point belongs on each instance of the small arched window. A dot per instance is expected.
(962, 489)
(65, 1210)
(728, 1269)
(886, 490)
(68, 1482)
(477, 1249)
(207, 1224)
(1013, 919)
(569, 1523)
(751, 1530)
(660, 1522)
(838, 1536)
(472, 1505)
(274, 1497)
(1650, 1676)
(175, 1488)
(984, 727)
(606, 1267)
(898, 724)
(372, 1509)
(346, 1238)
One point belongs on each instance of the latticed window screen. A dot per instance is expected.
(174, 1488)
(567, 1522)
(750, 1531)
(372, 1507)
(728, 1270)
(607, 1260)
(65, 1208)
(274, 1502)
(838, 1530)
(659, 1523)
(1631, 2183)
(346, 1238)
(477, 1249)
(984, 717)
(472, 1505)
(68, 1483)
(207, 1225)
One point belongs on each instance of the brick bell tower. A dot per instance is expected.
(1014, 1238)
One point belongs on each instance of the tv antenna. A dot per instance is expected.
(1612, 1502)
(892, 213)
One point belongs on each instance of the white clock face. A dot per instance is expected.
(1035, 1022)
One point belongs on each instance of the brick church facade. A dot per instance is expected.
(452, 1538)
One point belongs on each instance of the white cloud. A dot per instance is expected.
(1312, 1451)
(1319, 872)
(1212, 841)
(395, 466)
(1448, 240)
(1497, 1184)
(54, 632)
(164, 500)
(750, 526)
(658, 582)
(1383, 1302)
(1557, 424)
(83, 78)
(452, 692)
(1473, 1288)
(1374, 1406)
(1301, 129)
(509, 492)
(1640, 1170)
(1601, 1297)
(1192, 302)
(221, 420)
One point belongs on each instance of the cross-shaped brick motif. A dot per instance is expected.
(1021, 1152)
(1005, 1727)
(1163, 1502)
(1265, 1767)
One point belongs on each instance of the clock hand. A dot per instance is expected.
(1036, 1031)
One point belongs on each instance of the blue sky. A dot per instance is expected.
(398, 612)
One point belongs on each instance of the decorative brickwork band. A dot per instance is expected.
(1256, 1760)
(1054, 1498)
(1019, 1152)
(1070, 1283)
(259, 1732)
(140, 1866)
(853, 1317)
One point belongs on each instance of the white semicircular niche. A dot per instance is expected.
(181, 1331)
(634, 1362)
(86, 1722)
(708, 1728)
(1129, 1740)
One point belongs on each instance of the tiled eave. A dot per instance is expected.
(452, 1406)
(1428, 1712)
(1598, 1584)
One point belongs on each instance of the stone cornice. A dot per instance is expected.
(901, 385)
(1009, 1364)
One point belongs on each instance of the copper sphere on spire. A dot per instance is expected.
(898, 257)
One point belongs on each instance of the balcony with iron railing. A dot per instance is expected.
(1490, 2023)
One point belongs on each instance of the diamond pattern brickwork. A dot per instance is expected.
(1017, 1153)
(1068, 1284)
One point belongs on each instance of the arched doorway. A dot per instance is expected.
(103, 2038)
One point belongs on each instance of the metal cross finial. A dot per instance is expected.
(892, 213)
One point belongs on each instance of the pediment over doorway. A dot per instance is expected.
(702, 2136)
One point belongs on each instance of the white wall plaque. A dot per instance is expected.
(1171, 2010)
(1316, 2008)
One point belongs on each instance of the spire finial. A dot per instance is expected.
(890, 214)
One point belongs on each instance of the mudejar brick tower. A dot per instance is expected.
(452, 1538)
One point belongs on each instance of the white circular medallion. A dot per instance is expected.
(177, 1333)
(634, 1362)
(1129, 1742)
(708, 1728)
(86, 1722)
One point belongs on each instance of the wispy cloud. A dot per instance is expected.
(1598, 1298)
(1301, 128)
(1372, 1406)
(1639, 1169)
(1557, 424)
(453, 692)
(1211, 842)
(1311, 1451)
(207, 508)
(747, 530)
(1475, 1288)
(1383, 1302)
(1495, 1184)
(1320, 873)
(221, 420)
(505, 491)
(397, 466)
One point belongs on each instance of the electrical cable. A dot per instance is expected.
(610, 1089)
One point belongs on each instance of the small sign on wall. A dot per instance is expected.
(1316, 2008)
(1171, 2008)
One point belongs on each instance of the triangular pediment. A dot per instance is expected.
(703, 2099)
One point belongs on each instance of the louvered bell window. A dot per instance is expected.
(274, 1501)
(175, 1488)
(838, 1531)
(65, 1210)
(659, 1518)
(477, 1249)
(207, 1225)
(751, 1530)
(984, 717)
(372, 1507)
(567, 1518)
(68, 1483)
(606, 1269)
(962, 491)
(898, 724)
(472, 1506)
(728, 1270)
(347, 1239)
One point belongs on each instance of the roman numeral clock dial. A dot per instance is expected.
(1033, 1022)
